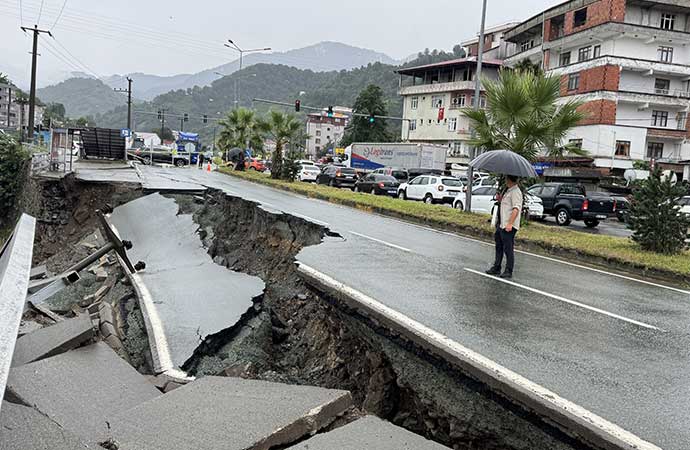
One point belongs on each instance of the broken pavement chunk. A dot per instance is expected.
(52, 340)
(22, 427)
(217, 413)
(369, 433)
(80, 390)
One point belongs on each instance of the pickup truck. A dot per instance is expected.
(569, 201)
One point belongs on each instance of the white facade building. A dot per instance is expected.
(323, 130)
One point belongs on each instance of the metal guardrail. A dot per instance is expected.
(15, 269)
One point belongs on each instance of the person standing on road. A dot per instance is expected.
(200, 157)
(507, 226)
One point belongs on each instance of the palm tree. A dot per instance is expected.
(282, 128)
(523, 115)
(241, 128)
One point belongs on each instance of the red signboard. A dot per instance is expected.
(441, 113)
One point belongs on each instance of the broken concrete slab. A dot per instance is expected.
(38, 272)
(106, 312)
(22, 427)
(52, 340)
(217, 413)
(371, 433)
(80, 390)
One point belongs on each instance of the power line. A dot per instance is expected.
(77, 59)
(60, 14)
(21, 14)
(40, 12)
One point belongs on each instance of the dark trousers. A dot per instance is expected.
(505, 245)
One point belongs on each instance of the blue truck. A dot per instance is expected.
(189, 143)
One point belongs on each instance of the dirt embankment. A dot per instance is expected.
(297, 335)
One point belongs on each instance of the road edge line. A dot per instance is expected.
(572, 419)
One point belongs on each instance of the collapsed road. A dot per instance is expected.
(581, 333)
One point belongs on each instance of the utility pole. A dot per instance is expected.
(9, 105)
(32, 95)
(477, 94)
(129, 101)
(241, 51)
(181, 124)
(161, 114)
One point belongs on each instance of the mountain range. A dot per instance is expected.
(321, 57)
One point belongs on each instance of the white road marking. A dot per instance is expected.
(565, 300)
(310, 219)
(580, 266)
(498, 373)
(381, 242)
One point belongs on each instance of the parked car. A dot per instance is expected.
(685, 205)
(569, 201)
(485, 181)
(484, 202)
(254, 164)
(305, 162)
(431, 189)
(336, 176)
(622, 207)
(415, 172)
(378, 184)
(398, 173)
(308, 172)
(160, 155)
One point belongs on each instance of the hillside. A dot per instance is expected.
(82, 96)
(321, 57)
(274, 82)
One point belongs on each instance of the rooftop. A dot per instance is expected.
(453, 62)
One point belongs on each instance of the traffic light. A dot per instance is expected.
(330, 111)
(159, 114)
(298, 105)
(205, 118)
(186, 117)
(372, 119)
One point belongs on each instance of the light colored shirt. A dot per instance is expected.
(512, 199)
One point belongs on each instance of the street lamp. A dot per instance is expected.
(242, 51)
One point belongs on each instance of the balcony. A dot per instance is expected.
(654, 97)
(612, 30)
(668, 134)
(437, 88)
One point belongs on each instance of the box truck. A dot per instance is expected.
(371, 156)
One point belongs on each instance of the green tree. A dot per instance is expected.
(522, 115)
(657, 224)
(4, 79)
(370, 101)
(166, 135)
(54, 112)
(283, 129)
(13, 161)
(239, 127)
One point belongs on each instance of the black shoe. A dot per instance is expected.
(507, 275)
(493, 271)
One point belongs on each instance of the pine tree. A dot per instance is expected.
(655, 219)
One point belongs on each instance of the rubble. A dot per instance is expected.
(23, 427)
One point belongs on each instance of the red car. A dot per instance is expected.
(254, 164)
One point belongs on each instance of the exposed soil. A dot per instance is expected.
(296, 335)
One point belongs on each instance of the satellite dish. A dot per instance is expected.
(632, 175)
(668, 174)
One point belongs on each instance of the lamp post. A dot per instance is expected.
(477, 93)
(242, 51)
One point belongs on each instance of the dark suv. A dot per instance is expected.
(569, 201)
(336, 176)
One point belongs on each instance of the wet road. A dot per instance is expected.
(615, 345)
(180, 275)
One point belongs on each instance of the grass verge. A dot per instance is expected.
(607, 250)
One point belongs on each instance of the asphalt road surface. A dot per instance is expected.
(610, 227)
(616, 345)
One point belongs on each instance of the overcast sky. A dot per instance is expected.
(176, 36)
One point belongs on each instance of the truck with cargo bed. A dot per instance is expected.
(367, 157)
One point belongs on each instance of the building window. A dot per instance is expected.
(655, 150)
(681, 120)
(414, 102)
(482, 102)
(452, 124)
(584, 53)
(575, 143)
(668, 21)
(437, 101)
(623, 149)
(421, 122)
(660, 119)
(580, 17)
(457, 101)
(413, 125)
(317, 148)
(661, 86)
(597, 51)
(524, 46)
(665, 54)
(574, 82)
(318, 141)
(318, 132)
(565, 59)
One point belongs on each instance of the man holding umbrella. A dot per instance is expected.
(507, 226)
(512, 165)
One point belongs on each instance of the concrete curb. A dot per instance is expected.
(572, 419)
(15, 269)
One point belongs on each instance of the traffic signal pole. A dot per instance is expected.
(32, 95)
(129, 101)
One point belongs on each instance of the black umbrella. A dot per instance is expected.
(504, 162)
(234, 153)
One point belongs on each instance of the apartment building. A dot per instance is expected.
(10, 112)
(323, 129)
(495, 47)
(629, 62)
(434, 96)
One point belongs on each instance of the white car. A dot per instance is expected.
(431, 189)
(685, 205)
(484, 202)
(308, 172)
(305, 162)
